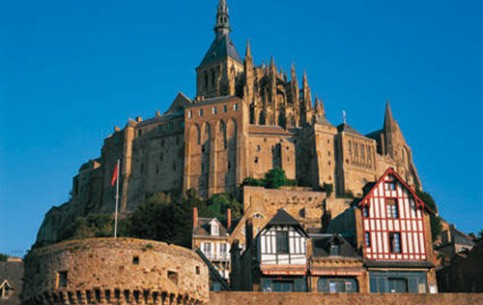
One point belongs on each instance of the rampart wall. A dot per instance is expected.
(114, 271)
(260, 298)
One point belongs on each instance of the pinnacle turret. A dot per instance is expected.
(388, 118)
(222, 26)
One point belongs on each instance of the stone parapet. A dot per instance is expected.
(260, 298)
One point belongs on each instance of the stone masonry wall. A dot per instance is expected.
(252, 298)
(114, 271)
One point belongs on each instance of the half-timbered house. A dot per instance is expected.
(391, 226)
(277, 257)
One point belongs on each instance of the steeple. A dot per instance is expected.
(388, 118)
(222, 26)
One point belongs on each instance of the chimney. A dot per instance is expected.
(228, 219)
(195, 217)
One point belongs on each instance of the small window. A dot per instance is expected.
(282, 243)
(197, 270)
(367, 236)
(225, 109)
(140, 132)
(213, 110)
(207, 248)
(170, 126)
(259, 148)
(335, 249)
(62, 279)
(173, 277)
(235, 107)
(256, 159)
(390, 186)
(135, 260)
(200, 112)
(395, 242)
(365, 211)
(190, 114)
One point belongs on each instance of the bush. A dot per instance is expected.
(436, 226)
(250, 181)
(275, 178)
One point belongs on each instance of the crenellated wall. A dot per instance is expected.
(114, 271)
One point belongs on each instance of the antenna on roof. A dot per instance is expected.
(344, 116)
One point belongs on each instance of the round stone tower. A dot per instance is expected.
(114, 271)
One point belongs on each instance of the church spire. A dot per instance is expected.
(222, 26)
(388, 118)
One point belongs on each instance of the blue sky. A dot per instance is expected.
(72, 70)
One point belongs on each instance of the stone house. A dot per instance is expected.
(11, 280)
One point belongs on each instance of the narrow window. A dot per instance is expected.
(200, 112)
(256, 159)
(62, 279)
(235, 107)
(365, 211)
(213, 110)
(395, 242)
(140, 132)
(190, 114)
(392, 210)
(135, 260)
(197, 270)
(282, 243)
(225, 109)
(367, 236)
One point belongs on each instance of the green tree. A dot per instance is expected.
(3, 257)
(436, 226)
(275, 178)
(250, 181)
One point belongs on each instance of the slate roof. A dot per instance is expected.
(222, 47)
(321, 246)
(348, 129)
(12, 271)
(460, 238)
(203, 228)
(216, 100)
(282, 218)
(263, 129)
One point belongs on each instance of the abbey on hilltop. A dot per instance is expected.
(244, 121)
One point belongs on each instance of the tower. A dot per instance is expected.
(221, 65)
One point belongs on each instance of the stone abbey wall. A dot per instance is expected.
(260, 298)
(114, 271)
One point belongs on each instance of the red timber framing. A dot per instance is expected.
(408, 220)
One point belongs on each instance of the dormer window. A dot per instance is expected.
(215, 229)
(5, 290)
